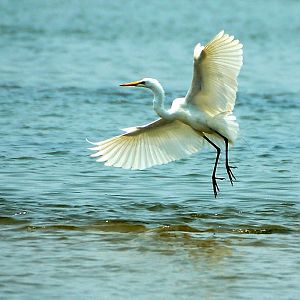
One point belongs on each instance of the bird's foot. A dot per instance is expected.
(215, 185)
(230, 173)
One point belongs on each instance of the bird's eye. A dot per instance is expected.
(142, 82)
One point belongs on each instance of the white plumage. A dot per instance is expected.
(216, 67)
(156, 143)
(204, 116)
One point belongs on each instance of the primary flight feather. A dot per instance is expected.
(204, 116)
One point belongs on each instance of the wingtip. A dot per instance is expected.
(197, 51)
(220, 34)
(90, 141)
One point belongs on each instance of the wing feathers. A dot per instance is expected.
(216, 68)
(154, 144)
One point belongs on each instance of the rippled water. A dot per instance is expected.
(72, 228)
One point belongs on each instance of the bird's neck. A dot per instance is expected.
(158, 101)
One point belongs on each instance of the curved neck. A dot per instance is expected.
(158, 101)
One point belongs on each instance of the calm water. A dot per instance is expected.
(74, 229)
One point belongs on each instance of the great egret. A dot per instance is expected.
(203, 116)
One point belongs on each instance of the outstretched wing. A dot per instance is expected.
(142, 147)
(216, 67)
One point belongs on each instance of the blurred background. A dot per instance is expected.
(72, 228)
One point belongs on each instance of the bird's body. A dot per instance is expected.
(190, 115)
(204, 116)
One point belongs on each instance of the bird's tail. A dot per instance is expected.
(226, 124)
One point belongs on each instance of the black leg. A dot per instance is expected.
(214, 178)
(228, 167)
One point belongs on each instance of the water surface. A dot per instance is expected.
(73, 228)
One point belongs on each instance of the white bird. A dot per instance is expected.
(203, 116)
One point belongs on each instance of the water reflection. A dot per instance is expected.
(198, 247)
(201, 245)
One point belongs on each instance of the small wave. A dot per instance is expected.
(264, 229)
(103, 226)
(117, 226)
(24, 158)
(58, 152)
(54, 227)
(130, 226)
(161, 207)
(11, 221)
(9, 86)
(180, 228)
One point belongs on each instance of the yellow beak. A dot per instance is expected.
(133, 83)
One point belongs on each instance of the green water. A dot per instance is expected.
(71, 228)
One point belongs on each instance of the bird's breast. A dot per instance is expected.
(190, 116)
(198, 121)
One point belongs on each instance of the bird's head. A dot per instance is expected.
(145, 83)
